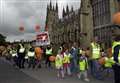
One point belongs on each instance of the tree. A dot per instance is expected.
(2, 39)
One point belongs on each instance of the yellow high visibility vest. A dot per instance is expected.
(83, 65)
(31, 54)
(22, 49)
(58, 61)
(49, 52)
(95, 51)
(80, 51)
(13, 53)
(66, 58)
(109, 62)
(115, 44)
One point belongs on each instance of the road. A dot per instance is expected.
(10, 74)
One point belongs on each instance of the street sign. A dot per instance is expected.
(42, 38)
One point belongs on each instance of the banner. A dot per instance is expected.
(42, 38)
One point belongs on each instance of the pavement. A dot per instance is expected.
(10, 74)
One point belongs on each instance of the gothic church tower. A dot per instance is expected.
(86, 22)
(51, 19)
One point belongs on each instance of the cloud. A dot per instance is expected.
(27, 13)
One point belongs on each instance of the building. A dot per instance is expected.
(74, 26)
(103, 11)
(119, 4)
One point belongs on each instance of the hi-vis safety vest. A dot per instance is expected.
(83, 65)
(66, 58)
(58, 61)
(49, 52)
(80, 51)
(31, 54)
(109, 62)
(114, 45)
(13, 53)
(22, 49)
(95, 51)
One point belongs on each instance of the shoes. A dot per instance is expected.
(23, 67)
(78, 76)
(39, 66)
(86, 79)
(58, 76)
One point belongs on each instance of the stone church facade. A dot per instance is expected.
(74, 26)
(103, 11)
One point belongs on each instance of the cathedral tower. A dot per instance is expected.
(86, 23)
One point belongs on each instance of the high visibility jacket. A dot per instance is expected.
(66, 58)
(83, 52)
(13, 53)
(58, 61)
(22, 49)
(31, 54)
(95, 50)
(109, 62)
(49, 52)
(83, 65)
(80, 51)
(115, 44)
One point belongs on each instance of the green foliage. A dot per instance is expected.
(2, 39)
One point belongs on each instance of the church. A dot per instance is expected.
(74, 26)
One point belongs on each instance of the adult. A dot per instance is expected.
(21, 55)
(74, 59)
(48, 54)
(116, 55)
(38, 56)
(95, 55)
(31, 58)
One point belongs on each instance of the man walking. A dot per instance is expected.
(21, 55)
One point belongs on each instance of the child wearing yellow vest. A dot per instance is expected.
(59, 65)
(66, 62)
(83, 66)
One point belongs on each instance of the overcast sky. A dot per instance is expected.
(27, 13)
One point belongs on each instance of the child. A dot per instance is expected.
(83, 66)
(66, 62)
(59, 65)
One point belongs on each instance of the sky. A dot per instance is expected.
(27, 13)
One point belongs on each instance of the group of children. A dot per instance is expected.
(63, 64)
(63, 61)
